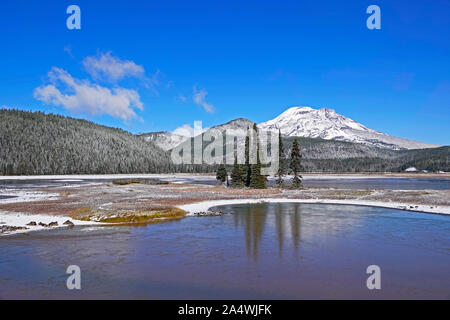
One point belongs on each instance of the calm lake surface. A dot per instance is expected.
(381, 183)
(263, 251)
(432, 183)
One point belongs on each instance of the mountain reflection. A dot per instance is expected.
(282, 219)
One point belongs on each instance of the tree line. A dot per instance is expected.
(250, 176)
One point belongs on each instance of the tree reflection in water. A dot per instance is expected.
(256, 218)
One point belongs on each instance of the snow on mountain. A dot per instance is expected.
(239, 123)
(164, 140)
(327, 124)
(305, 122)
(169, 140)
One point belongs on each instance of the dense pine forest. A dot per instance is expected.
(339, 156)
(34, 143)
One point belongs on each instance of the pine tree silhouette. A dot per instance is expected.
(237, 175)
(222, 173)
(257, 180)
(247, 166)
(296, 165)
(281, 161)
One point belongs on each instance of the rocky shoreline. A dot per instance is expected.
(10, 229)
(7, 229)
(210, 213)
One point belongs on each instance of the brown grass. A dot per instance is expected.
(128, 217)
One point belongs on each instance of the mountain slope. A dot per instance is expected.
(37, 143)
(329, 125)
(239, 123)
(168, 140)
(164, 140)
(321, 155)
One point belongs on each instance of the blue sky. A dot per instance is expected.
(218, 60)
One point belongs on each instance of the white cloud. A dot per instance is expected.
(200, 99)
(181, 98)
(188, 131)
(83, 96)
(106, 67)
(68, 50)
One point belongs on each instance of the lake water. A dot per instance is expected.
(263, 251)
(6, 197)
(432, 183)
(355, 183)
(391, 183)
(381, 183)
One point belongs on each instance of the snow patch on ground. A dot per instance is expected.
(14, 219)
(21, 195)
(204, 206)
(22, 219)
(101, 176)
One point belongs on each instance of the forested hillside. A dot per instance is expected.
(338, 156)
(38, 143)
(33, 143)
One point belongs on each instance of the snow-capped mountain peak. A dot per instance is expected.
(318, 123)
(323, 123)
(327, 124)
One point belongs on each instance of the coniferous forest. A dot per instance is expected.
(35, 143)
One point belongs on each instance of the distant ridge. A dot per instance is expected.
(239, 123)
(164, 140)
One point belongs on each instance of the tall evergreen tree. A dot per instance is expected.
(222, 173)
(281, 161)
(257, 180)
(247, 166)
(237, 175)
(296, 165)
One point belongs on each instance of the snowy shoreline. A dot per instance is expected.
(203, 206)
(200, 199)
(18, 195)
(22, 219)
